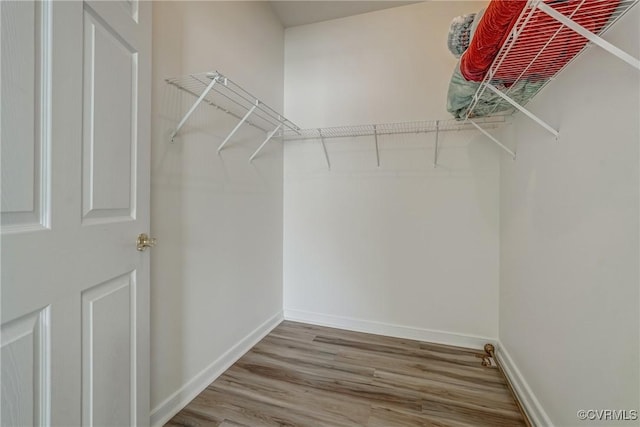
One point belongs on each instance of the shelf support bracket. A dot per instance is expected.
(435, 148)
(491, 137)
(324, 148)
(528, 113)
(265, 142)
(595, 39)
(235, 129)
(375, 135)
(193, 107)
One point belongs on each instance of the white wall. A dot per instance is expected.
(404, 249)
(217, 268)
(391, 65)
(569, 293)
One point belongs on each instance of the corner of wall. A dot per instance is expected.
(528, 400)
(161, 414)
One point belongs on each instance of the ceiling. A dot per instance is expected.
(292, 13)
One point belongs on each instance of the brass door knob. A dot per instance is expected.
(143, 242)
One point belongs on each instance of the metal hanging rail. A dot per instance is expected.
(377, 130)
(232, 99)
(541, 63)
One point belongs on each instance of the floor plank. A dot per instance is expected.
(307, 375)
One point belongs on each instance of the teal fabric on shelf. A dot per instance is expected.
(461, 92)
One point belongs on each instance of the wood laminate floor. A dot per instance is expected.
(304, 375)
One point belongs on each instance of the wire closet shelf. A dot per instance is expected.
(234, 100)
(237, 102)
(376, 130)
(545, 33)
(399, 128)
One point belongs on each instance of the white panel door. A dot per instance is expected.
(75, 103)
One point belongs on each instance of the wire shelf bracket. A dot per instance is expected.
(235, 129)
(324, 148)
(375, 136)
(273, 132)
(193, 108)
(435, 147)
(235, 101)
(492, 138)
(523, 110)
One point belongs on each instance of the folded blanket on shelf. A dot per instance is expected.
(461, 92)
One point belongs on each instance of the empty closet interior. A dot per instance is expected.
(353, 173)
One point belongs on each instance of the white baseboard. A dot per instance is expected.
(388, 329)
(528, 400)
(178, 400)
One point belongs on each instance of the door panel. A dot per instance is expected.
(25, 125)
(109, 123)
(26, 370)
(109, 343)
